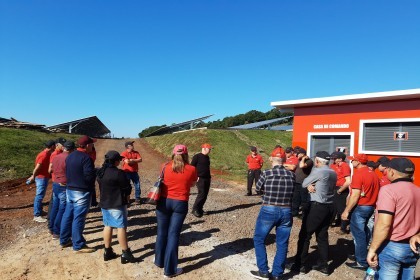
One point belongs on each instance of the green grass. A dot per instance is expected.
(18, 150)
(230, 148)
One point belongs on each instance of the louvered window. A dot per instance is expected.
(329, 143)
(400, 138)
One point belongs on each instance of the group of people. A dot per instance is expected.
(327, 194)
(73, 175)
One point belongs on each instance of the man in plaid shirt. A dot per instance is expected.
(277, 185)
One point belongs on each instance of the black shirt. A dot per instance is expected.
(202, 165)
(114, 187)
(302, 173)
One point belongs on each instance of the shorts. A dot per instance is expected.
(115, 217)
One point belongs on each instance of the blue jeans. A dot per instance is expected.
(134, 177)
(396, 261)
(268, 218)
(58, 207)
(41, 188)
(74, 218)
(360, 231)
(170, 215)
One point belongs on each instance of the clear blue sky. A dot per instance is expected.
(140, 63)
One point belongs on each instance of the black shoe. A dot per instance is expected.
(259, 275)
(127, 257)
(304, 269)
(351, 257)
(322, 268)
(356, 265)
(109, 254)
(248, 194)
(294, 267)
(197, 213)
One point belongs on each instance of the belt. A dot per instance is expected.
(319, 203)
(404, 241)
(276, 205)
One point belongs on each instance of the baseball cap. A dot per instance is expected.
(113, 155)
(323, 154)
(206, 145)
(69, 145)
(253, 148)
(84, 140)
(180, 150)
(362, 158)
(403, 165)
(60, 140)
(336, 154)
(289, 150)
(128, 143)
(278, 152)
(49, 143)
(383, 160)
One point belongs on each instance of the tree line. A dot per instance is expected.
(249, 117)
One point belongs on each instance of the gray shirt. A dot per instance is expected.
(325, 179)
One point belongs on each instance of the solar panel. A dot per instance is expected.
(177, 126)
(90, 126)
(259, 124)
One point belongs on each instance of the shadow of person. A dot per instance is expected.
(188, 238)
(339, 252)
(232, 208)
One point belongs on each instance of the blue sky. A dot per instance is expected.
(135, 64)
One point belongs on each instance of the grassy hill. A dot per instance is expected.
(18, 149)
(230, 147)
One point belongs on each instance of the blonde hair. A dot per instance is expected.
(178, 163)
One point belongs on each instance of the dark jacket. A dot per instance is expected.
(80, 172)
(114, 188)
(202, 165)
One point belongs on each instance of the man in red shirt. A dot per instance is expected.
(255, 163)
(41, 176)
(131, 159)
(382, 162)
(343, 171)
(364, 192)
(397, 220)
(292, 161)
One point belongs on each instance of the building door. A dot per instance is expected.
(330, 143)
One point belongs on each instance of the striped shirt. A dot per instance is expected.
(278, 184)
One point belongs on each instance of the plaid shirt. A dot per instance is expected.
(278, 184)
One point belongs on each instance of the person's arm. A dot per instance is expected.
(415, 242)
(35, 172)
(354, 198)
(260, 183)
(290, 167)
(380, 234)
(345, 185)
(194, 160)
(50, 168)
(89, 172)
(303, 162)
(312, 178)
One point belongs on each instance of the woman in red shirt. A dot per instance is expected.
(179, 177)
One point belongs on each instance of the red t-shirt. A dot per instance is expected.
(367, 182)
(254, 162)
(384, 179)
(43, 158)
(400, 199)
(132, 167)
(59, 168)
(343, 170)
(55, 153)
(177, 185)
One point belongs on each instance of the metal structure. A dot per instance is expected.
(191, 124)
(261, 125)
(90, 126)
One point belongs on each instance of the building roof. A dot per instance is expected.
(90, 126)
(260, 124)
(289, 105)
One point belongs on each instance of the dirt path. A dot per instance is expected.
(217, 246)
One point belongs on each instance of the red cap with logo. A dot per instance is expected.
(278, 152)
(362, 158)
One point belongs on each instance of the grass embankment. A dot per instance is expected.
(230, 147)
(18, 150)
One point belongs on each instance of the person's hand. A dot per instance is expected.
(372, 258)
(311, 188)
(414, 243)
(30, 180)
(305, 157)
(345, 216)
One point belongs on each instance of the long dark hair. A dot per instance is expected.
(107, 163)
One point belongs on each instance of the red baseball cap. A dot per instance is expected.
(84, 140)
(278, 152)
(206, 145)
(362, 158)
(180, 150)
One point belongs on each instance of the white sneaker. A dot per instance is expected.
(39, 219)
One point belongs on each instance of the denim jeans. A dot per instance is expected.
(170, 215)
(134, 177)
(41, 188)
(74, 218)
(268, 218)
(360, 231)
(396, 261)
(57, 208)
